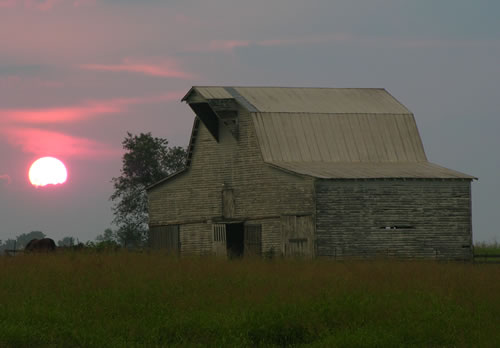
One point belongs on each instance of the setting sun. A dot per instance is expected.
(47, 171)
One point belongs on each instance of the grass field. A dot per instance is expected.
(487, 248)
(483, 252)
(147, 300)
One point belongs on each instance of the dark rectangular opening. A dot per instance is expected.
(208, 117)
(399, 227)
(235, 240)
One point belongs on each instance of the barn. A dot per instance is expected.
(312, 172)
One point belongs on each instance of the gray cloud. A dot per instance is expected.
(20, 70)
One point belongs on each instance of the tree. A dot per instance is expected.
(66, 242)
(107, 236)
(147, 160)
(24, 238)
(9, 244)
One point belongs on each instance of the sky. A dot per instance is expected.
(76, 75)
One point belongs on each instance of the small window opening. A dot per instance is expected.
(219, 233)
(399, 227)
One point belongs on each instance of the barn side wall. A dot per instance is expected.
(195, 239)
(261, 192)
(394, 218)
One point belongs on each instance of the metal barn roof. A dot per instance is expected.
(333, 132)
(371, 170)
(338, 137)
(316, 100)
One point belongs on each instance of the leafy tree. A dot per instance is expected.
(107, 236)
(66, 242)
(9, 244)
(147, 160)
(25, 238)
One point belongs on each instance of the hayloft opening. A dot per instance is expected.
(208, 117)
(235, 240)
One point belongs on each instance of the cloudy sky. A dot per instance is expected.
(76, 75)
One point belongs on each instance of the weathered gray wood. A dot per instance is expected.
(270, 176)
(227, 203)
(253, 240)
(165, 237)
(172, 238)
(261, 193)
(219, 239)
(395, 218)
(297, 235)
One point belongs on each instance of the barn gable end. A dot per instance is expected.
(260, 193)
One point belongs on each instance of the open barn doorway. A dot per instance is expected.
(235, 240)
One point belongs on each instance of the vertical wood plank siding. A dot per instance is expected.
(271, 235)
(396, 218)
(165, 237)
(253, 240)
(219, 239)
(258, 189)
(297, 235)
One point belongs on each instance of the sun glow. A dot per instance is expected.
(47, 171)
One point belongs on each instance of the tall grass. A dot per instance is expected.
(147, 300)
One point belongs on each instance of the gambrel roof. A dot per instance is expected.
(344, 133)
(308, 100)
(328, 133)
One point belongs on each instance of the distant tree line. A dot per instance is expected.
(108, 240)
(20, 241)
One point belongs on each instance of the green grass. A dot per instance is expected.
(487, 248)
(482, 250)
(151, 300)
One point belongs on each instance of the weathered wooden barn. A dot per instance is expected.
(309, 171)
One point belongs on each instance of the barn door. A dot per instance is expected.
(172, 238)
(253, 240)
(219, 239)
(165, 237)
(297, 235)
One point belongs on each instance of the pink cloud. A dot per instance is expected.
(80, 112)
(79, 3)
(58, 115)
(230, 45)
(227, 45)
(8, 3)
(43, 5)
(28, 82)
(43, 142)
(164, 68)
(49, 143)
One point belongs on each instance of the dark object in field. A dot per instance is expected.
(45, 244)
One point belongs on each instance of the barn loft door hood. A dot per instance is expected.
(215, 112)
